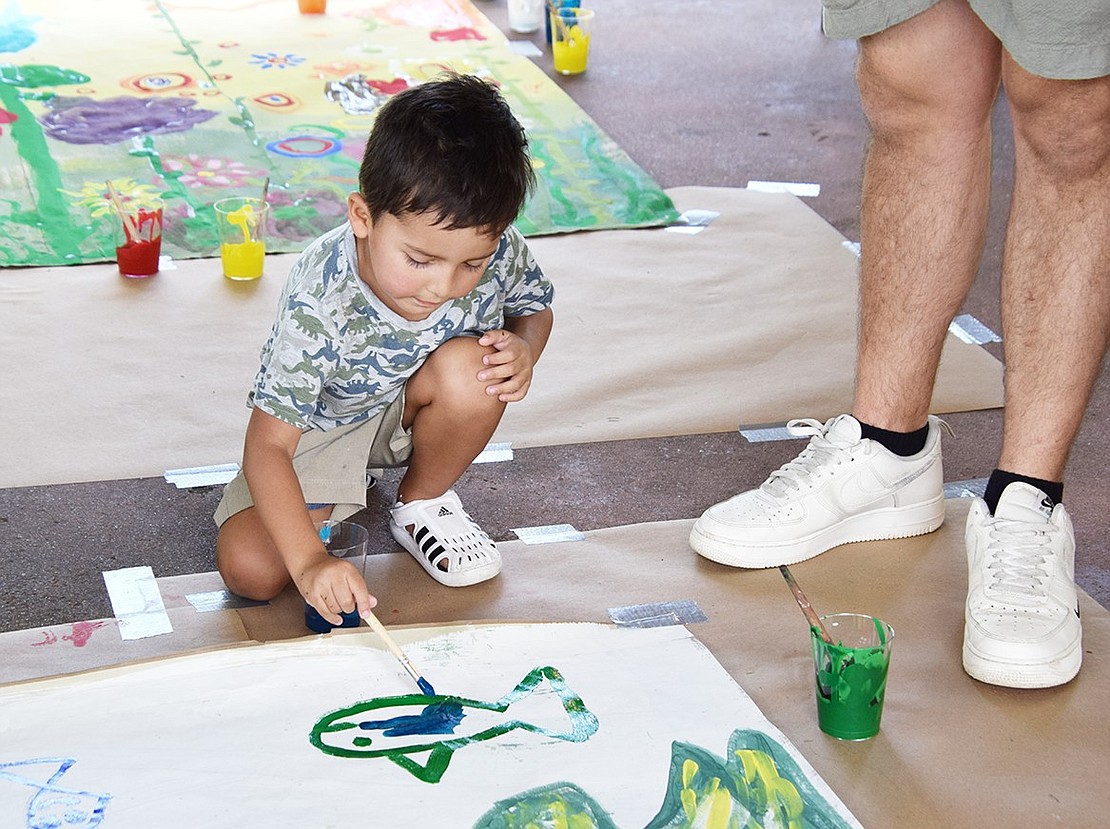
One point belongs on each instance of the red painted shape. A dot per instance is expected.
(389, 87)
(82, 632)
(457, 34)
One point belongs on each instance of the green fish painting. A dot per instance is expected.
(421, 733)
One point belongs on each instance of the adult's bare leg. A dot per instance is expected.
(927, 87)
(1056, 265)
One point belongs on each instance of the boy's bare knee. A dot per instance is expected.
(453, 370)
(247, 561)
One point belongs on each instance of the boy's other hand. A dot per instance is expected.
(509, 366)
(335, 586)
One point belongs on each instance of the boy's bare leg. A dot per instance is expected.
(246, 556)
(927, 87)
(1056, 265)
(451, 417)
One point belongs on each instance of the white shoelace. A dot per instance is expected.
(792, 475)
(1016, 556)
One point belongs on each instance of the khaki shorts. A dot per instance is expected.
(331, 466)
(1063, 39)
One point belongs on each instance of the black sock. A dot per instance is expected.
(900, 443)
(1000, 479)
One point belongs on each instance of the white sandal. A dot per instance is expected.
(445, 540)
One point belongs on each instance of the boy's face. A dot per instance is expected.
(414, 265)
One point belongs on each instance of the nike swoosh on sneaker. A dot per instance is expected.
(856, 494)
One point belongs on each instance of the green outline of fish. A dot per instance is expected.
(583, 724)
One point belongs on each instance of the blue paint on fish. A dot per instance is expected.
(437, 718)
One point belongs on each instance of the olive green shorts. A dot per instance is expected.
(1064, 39)
(332, 465)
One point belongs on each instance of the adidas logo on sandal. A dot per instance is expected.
(443, 511)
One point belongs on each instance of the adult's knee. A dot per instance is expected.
(1063, 126)
(934, 76)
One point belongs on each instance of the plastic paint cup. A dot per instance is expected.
(241, 222)
(343, 539)
(312, 6)
(526, 16)
(138, 237)
(570, 39)
(851, 674)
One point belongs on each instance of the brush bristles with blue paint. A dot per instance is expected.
(423, 684)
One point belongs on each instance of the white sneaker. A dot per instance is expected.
(841, 488)
(1021, 623)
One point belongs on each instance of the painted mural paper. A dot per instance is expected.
(192, 101)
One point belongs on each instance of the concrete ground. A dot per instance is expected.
(697, 93)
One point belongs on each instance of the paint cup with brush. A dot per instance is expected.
(571, 29)
(851, 658)
(349, 541)
(138, 233)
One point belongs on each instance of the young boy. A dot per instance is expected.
(400, 338)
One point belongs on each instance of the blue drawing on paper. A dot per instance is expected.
(51, 804)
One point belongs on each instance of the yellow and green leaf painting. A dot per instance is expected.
(758, 785)
(191, 101)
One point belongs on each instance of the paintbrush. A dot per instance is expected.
(265, 191)
(395, 649)
(129, 223)
(803, 603)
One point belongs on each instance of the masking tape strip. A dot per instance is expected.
(526, 48)
(495, 452)
(658, 614)
(220, 600)
(549, 534)
(796, 187)
(692, 221)
(971, 331)
(767, 434)
(137, 602)
(975, 488)
(201, 475)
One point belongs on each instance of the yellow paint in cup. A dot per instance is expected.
(242, 248)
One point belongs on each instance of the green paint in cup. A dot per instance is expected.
(851, 674)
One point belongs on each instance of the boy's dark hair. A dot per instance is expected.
(450, 147)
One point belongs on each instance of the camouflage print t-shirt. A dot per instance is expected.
(338, 355)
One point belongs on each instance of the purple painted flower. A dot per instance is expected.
(85, 121)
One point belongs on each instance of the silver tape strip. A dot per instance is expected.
(796, 187)
(137, 602)
(975, 488)
(767, 434)
(658, 614)
(201, 475)
(220, 600)
(495, 452)
(971, 331)
(854, 247)
(549, 534)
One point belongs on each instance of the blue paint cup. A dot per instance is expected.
(552, 5)
(342, 539)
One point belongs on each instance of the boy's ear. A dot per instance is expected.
(358, 214)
